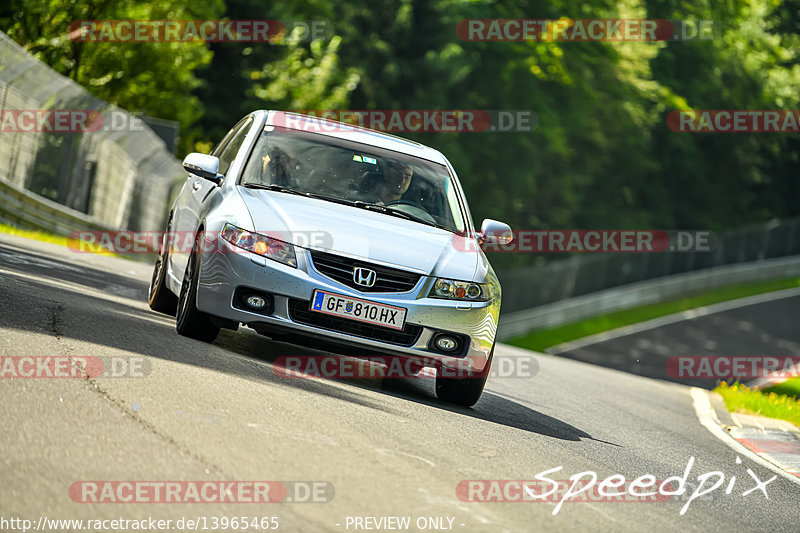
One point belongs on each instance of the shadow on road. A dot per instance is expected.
(43, 305)
(497, 410)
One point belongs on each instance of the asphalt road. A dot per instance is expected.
(389, 448)
(763, 328)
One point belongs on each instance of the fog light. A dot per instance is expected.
(446, 343)
(256, 302)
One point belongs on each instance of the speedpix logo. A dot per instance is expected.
(587, 487)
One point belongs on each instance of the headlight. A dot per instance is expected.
(260, 244)
(461, 290)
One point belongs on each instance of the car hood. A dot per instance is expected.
(336, 228)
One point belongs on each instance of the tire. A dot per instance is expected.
(159, 296)
(190, 321)
(463, 391)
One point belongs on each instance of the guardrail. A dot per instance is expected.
(119, 174)
(643, 293)
(22, 208)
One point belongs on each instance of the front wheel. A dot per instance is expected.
(159, 297)
(463, 391)
(190, 321)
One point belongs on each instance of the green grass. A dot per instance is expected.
(545, 338)
(790, 387)
(35, 235)
(769, 402)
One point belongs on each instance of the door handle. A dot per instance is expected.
(196, 185)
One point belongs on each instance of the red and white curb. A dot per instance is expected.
(774, 444)
(776, 441)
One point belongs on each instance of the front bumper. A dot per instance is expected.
(229, 268)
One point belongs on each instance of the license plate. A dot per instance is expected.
(358, 309)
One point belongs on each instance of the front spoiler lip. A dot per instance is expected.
(345, 347)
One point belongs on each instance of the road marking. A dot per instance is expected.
(704, 412)
(689, 314)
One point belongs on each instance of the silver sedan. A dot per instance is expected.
(320, 232)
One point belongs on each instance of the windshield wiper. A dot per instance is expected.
(289, 190)
(329, 198)
(394, 212)
(272, 187)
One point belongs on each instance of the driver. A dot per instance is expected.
(397, 178)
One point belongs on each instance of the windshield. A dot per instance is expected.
(362, 175)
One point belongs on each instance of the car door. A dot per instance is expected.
(194, 194)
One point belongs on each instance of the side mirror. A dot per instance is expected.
(494, 231)
(205, 166)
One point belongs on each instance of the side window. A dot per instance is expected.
(229, 151)
(223, 143)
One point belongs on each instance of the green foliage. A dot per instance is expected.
(601, 156)
(156, 78)
(307, 78)
(741, 398)
(790, 387)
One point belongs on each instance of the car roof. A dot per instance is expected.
(352, 132)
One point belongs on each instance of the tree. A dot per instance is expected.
(156, 78)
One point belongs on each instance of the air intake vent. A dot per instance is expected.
(341, 269)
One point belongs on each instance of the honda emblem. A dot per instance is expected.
(364, 276)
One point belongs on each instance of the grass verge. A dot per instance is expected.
(35, 235)
(545, 338)
(58, 240)
(779, 401)
(790, 387)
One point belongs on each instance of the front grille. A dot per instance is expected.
(299, 312)
(341, 268)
